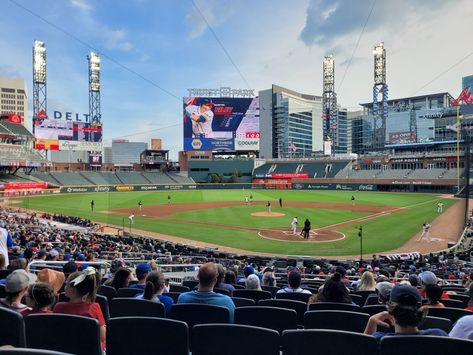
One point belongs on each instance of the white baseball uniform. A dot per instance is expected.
(202, 129)
(294, 224)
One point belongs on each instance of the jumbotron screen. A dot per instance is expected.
(221, 124)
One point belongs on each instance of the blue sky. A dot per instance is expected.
(271, 42)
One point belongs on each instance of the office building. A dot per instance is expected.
(467, 81)
(14, 99)
(125, 153)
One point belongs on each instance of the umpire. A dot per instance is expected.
(306, 228)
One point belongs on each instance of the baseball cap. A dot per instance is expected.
(17, 281)
(428, 278)
(52, 277)
(142, 269)
(248, 270)
(206, 102)
(384, 289)
(406, 295)
(53, 253)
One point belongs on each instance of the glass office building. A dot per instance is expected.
(467, 81)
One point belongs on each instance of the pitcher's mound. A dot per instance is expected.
(267, 214)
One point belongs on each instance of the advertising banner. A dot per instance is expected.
(95, 159)
(25, 185)
(76, 145)
(221, 123)
(402, 137)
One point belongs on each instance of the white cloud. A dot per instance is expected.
(216, 12)
(82, 5)
(115, 39)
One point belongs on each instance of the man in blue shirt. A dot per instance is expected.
(142, 270)
(404, 314)
(207, 276)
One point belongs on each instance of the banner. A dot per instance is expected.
(76, 145)
(25, 185)
(221, 123)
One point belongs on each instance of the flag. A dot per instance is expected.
(293, 147)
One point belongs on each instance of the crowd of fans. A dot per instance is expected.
(408, 288)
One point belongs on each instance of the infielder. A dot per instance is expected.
(201, 118)
(131, 218)
(440, 207)
(294, 224)
(268, 205)
(425, 231)
(140, 206)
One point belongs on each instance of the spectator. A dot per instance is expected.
(404, 313)
(463, 328)
(121, 279)
(269, 279)
(16, 287)
(367, 282)
(6, 243)
(470, 302)
(40, 298)
(429, 278)
(252, 283)
(294, 283)
(247, 271)
(220, 277)
(142, 270)
(434, 294)
(114, 267)
(334, 290)
(81, 288)
(384, 291)
(53, 278)
(207, 276)
(230, 277)
(154, 290)
(414, 280)
(2, 262)
(69, 268)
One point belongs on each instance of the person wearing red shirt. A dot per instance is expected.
(81, 288)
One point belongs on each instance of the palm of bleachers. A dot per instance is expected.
(67, 178)
(132, 177)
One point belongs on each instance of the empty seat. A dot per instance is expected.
(255, 295)
(222, 291)
(436, 322)
(327, 342)
(303, 297)
(190, 283)
(179, 288)
(272, 289)
(337, 320)
(173, 295)
(132, 307)
(61, 332)
(453, 303)
(275, 318)
(451, 313)
(147, 335)
(243, 302)
(320, 306)
(234, 339)
(374, 309)
(431, 345)
(128, 292)
(107, 291)
(298, 306)
(12, 328)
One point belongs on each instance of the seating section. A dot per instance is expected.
(101, 178)
(69, 179)
(132, 178)
(158, 178)
(315, 169)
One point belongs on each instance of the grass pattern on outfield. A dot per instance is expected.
(384, 233)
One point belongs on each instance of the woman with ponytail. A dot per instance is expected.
(81, 289)
(334, 290)
(154, 290)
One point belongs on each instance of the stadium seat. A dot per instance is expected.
(238, 287)
(298, 306)
(234, 339)
(107, 291)
(464, 298)
(450, 313)
(372, 300)
(255, 295)
(178, 288)
(12, 328)
(147, 335)
(2, 291)
(272, 289)
(431, 345)
(364, 295)
(337, 320)
(194, 313)
(222, 291)
(59, 332)
(103, 302)
(275, 318)
(327, 342)
(173, 295)
(374, 309)
(4, 273)
(243, 302)
(190, 284)
(436, 322)
(453, 303)
(456, 288)
(128, 292)
(334, 306)
(302, 297)
(25, 351)
(132, 307)
(358, 299)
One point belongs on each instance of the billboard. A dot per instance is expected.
(223, 124)
(55, 134)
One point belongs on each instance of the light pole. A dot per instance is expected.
(360, 235)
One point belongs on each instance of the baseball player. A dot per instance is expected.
(140, 206)
(247, 200)
(201, 118)
(131, 218)
(425, 231)
(294, 224)
(440, 207)
(353, 200)
(268, 205)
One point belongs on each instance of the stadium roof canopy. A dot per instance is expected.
(411, 98)
(14, 129)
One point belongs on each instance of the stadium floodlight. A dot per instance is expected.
(379, 53)
(329, 100)
(39, 62)
(94, 71)
(329, 73)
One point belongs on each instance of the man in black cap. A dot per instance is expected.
(404, 313)
(201, 117)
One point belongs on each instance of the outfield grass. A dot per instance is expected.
(384, 233)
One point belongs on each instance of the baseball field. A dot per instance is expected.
(391, 222)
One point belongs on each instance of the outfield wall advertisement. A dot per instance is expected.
(222, 124)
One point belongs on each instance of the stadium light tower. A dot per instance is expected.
(39, 79)
(380, 109)
(94, 87)
(329, 100)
